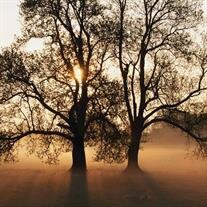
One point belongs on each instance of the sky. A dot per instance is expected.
(10, 23)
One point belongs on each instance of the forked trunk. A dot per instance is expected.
(78, 156)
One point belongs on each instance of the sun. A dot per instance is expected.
(78, 74)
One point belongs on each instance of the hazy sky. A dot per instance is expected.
(10, 20)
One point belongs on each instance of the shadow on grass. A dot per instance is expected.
(78, 190)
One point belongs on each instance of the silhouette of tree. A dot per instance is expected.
(163, 69)
(61, 95)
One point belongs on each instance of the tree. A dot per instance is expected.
(163, 70)
(55, 95)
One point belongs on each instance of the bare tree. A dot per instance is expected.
(55, 95)
(163, 70)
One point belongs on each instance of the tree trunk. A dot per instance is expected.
(133, 153)
(78, 156)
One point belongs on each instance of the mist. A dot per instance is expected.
(172, 176)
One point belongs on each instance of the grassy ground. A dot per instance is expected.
(169, 180)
